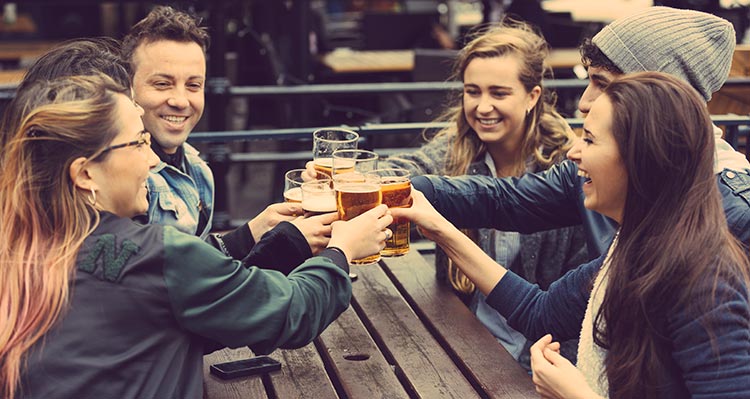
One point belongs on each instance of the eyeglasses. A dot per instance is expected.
(145, 139)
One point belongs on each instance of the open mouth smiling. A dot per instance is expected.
(174, 119)
(585, 175)
(488, 122)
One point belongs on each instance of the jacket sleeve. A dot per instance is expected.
(228, 302)
(532, 202)
(558, 311)
(282, 248)
(715, 365)
(235, 244)
(428, 159)
(735, 193)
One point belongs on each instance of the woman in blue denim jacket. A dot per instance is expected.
(665, 312)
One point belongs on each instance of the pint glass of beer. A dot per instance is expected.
(396, 191)
(292, 185)
(325, 142)
(352, 160)
(357, 193)
(318, 197)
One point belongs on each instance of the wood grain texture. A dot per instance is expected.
(360, 369)
(302, 375)
(470, 344)
(427, 369)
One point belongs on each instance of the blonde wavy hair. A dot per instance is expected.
(547, 136)
(45, 219)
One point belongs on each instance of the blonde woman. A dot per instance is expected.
(504, 125)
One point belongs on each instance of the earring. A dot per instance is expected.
(92, 198)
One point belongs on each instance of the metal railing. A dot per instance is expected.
(731, 123)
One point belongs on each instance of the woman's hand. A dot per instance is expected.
(553, 375)
(421, 212)
(271, 216)
(310, 172)
(316, 229)
(362, 236)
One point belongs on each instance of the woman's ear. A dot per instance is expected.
(80, 174)
(534, 96)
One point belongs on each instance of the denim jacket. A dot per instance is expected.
(176, 199)
(553, 199)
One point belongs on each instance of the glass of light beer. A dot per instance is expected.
(354, 160)
(395, 187)
(325, 142)
(318, 197)
(357, 193)
(292, 185)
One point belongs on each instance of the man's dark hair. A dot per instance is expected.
(163, 23)
(592, 56)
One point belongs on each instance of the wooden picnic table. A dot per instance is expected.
(405, 335)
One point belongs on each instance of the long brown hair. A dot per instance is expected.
(547, 137)
(44, 217)
(674, 242)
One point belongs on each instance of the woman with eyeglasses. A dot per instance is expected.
(663, 314)
(94, 305)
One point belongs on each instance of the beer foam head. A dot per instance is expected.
(322, 203)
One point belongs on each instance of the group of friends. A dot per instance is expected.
(613, 264)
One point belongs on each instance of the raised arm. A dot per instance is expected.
(530, 203)
(528, 309)
(221, 299)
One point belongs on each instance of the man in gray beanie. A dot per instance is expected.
(694, 46)
(691, 45)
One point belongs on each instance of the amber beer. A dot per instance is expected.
(325, 142)
(355, 196)
(396, 194)
(293, 195)
(324, 167)
(293, 179)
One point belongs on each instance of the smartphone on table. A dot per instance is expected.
(245, 367)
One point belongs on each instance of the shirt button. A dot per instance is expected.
(731, 175)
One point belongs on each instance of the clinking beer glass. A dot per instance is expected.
(395, 187)
(292, 185)
(357, 193)
(318, 197)
(326, 141)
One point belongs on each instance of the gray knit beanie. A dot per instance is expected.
(691, 45)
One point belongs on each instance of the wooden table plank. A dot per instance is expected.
(302, 375)
(360, 369)
(471, 344)
(426, 367)
(246, 387)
